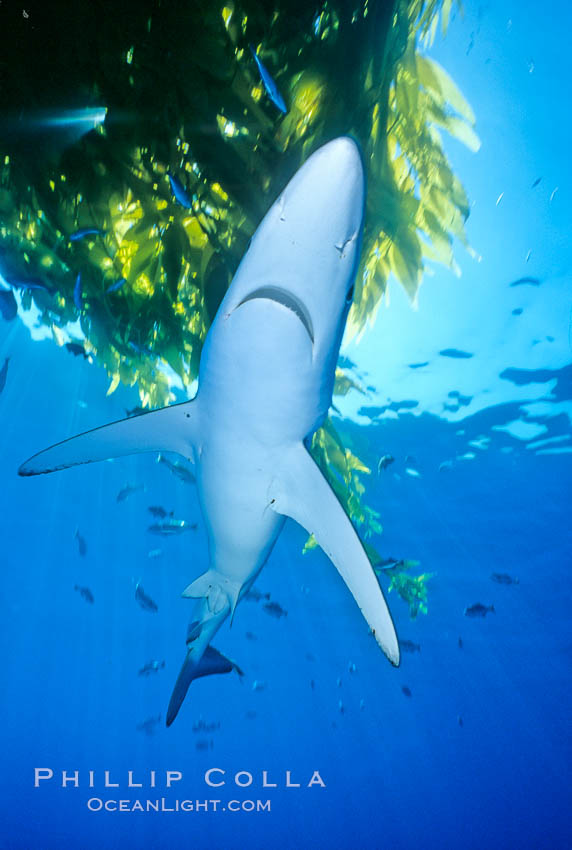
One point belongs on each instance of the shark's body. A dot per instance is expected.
(265, 385)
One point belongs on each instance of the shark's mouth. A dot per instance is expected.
(286, 299)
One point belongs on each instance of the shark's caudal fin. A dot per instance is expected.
(300, 491)
(212, 661)
(169, 429)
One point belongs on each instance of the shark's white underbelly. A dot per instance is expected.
(233, 489)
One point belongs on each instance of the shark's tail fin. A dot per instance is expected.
(212, 661)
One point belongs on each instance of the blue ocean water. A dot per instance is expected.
(467, 744)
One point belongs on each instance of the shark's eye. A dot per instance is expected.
(350, 295)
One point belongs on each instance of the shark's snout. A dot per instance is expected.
(285, 299)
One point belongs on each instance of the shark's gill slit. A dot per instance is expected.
(282, 296)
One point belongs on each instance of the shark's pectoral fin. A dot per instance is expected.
(169, 429)
(212, 661)
(300, 491)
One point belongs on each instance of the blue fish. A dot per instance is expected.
(269, 84)
(86, 231)
(4, 374)
(117, 285)
(179, 191)
(77, 292)
(8, 306)
(29, 284)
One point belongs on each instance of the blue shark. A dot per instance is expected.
(266, 379)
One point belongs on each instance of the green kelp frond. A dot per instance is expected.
(203, 117)
(412, 589)
(343, 470)
(417, 207)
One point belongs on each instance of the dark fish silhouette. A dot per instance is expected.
(409, 646)
(388, 563)
(144, 601)
(81, 544)
(149, 726)
(203, 744)
(76, 349)
(517, 311)
(159, 512)
(406, 690)
(151, 667)
(4, 374)
(455, 353)
(460, 643)
(418, 365)
(522, 281)
(536, 182)
(8, 305)
(255, 595)
(275, 610)
(250, 636)
(135, 411)
(201, 726)
(504, 578)
(85, 593)
(128, 490)
(479, 610)
(83, 232)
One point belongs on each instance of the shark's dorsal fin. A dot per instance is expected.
(300, 491)
(170, 429)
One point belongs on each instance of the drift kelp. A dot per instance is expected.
(188, 117)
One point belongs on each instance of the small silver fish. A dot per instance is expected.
(151, 667)
(171, 527)
(177, 468)
(384, 462)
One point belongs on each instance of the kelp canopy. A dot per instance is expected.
(141, 148)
